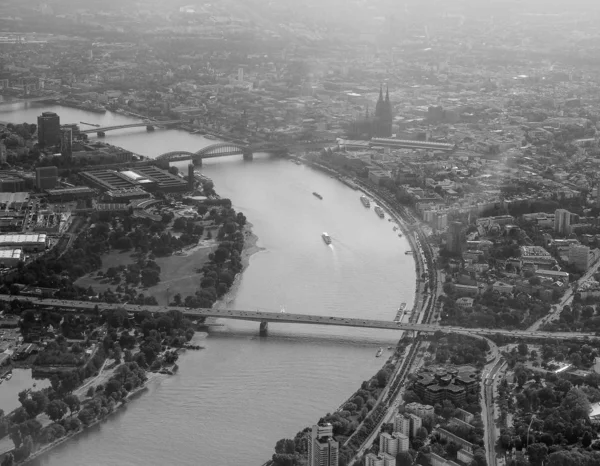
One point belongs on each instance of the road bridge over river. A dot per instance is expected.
(149, 124)
(283, 317)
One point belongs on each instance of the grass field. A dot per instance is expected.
(177, 273)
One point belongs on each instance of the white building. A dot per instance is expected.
(402, 424)
(323, 449)
(10, 257)
(35, 242)
(380, 460)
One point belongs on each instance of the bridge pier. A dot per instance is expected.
(149, 128)
(197, 161)
(247, 154)
(101, 134)
(264, 327)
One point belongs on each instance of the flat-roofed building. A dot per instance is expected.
(34, 242)
(383, 459)
(70, 194)
(10, 257)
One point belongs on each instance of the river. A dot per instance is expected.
(231, 402)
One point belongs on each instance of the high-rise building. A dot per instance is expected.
(415, 424)
(2, 153)
(579, 257)
(454, 238)
(191, 177)
(323, 449)
(402, 424)
(66, 142)
(241, 74)
(49, 129)
(562, 221)
(394, 443)
(46, 177)
(383, 459)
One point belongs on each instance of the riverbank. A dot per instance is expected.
(251, 247)
(122, 404)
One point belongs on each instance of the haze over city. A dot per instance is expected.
(300, 233)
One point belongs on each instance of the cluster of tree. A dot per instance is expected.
(583, 315)
(58, 353)
(146, 236)
(157, 333)
(493, 310)
(144, 270)
(224, 263)
(459, 350)
(558, 413)
(580, 355)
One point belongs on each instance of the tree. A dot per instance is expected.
(537, 453)
(576, 405)
(56, 410)
(8, 460)
(85, 416)
(382, 377)
(72, 401)
(422, 433)
(404, 458)
(285, 446)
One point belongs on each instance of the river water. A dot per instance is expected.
(231, 402)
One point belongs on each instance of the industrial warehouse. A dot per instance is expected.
(148, 178)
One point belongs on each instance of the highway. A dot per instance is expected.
(132, 125)
(284, 317)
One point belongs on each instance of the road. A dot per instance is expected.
(490, 372)
(566, 299)
(284, 317)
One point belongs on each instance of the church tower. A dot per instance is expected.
(384, 115)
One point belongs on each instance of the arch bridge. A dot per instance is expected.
(220, 149)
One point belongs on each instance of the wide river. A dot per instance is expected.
(231, 402)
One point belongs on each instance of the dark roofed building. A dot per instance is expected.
(434, 385)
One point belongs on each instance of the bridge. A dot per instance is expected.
(149, 124)
(264, 318)
(220, 149)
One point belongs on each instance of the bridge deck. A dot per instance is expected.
(261, 316)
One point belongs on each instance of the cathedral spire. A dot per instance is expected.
(387, 93)
(381, 93)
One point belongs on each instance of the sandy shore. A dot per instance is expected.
(250, 248)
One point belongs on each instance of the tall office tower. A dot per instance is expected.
(323, 450)
(241, 74)
(454, 238)
(562, 221)
(191, 178)
(2, 153)
(66, 142)
(49, 129)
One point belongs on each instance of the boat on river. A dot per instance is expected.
(365, 201)
(379, 353)
(326, 238)
(316, 194)
(408, 253)
(379, 211)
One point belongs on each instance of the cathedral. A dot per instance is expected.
(378, 125)
(382, 122)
